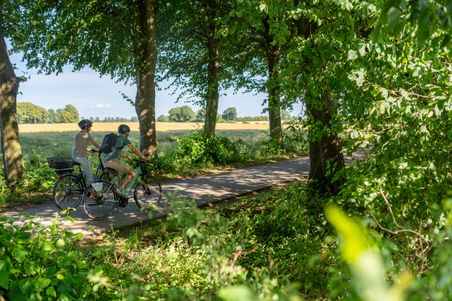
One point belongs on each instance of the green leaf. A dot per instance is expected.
(394, 23)
(50, 291)
(19, 254)
(78, 236)
(60, 243)
(239, 292)
(42, 283)
(47, 246)
(356, 240)
(4, 274)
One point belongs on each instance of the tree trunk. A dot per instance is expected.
(9, 85)
(274, 102)
(213, 76)
(324, 148)
(146, 58)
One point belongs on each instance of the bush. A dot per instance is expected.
(41, 263)
(198, 149)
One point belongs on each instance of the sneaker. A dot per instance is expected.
(123, 202)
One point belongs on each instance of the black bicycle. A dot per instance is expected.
(69, 186)
(103, 196)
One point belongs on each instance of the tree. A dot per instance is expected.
(195, 54)
(229, 114)
(52, 116)
(68, 115)
(31, 113)
(261, 53)
(285, 115)
(200, 115)
(163, 118)
(115, 37)
(181, 114)
(13, 165)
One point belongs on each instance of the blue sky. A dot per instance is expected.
(96, 96)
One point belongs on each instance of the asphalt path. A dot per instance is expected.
(206, 189)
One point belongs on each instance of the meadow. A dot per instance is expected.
(53, 143)
(182, 150)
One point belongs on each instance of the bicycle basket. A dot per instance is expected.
(61, 165)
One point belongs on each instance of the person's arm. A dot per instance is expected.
(93, 142)
(136, 152)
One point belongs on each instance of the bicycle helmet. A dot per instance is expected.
(85, 123)
(123, 129)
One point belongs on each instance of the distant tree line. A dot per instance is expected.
(31, 113)
(186, 114)
(28, 112)
(113, 119)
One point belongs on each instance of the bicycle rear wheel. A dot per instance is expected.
(99, 203)
(148, 192)
(67, 192)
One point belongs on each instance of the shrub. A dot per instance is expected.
(198, 149)
(41, 263)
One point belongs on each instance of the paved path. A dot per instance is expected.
(206, 189)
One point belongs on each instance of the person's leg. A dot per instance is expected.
(122, 168)
(86, 168)
(130, 174)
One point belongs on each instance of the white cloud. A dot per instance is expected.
(101, 106)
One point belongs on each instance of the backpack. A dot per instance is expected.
(108, 143)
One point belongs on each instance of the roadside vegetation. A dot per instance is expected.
(372, 75)
(276, 245)
(180, 154)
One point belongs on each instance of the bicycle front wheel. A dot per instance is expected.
(98, 203)
(148, 192)
(67, 192)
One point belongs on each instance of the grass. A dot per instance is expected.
(170, 163)
(48, 144)
(267, 241)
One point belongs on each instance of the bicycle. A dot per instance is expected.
(103, 196)
(68, 189)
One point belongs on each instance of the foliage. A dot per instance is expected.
(181, 114)
(229, 114)
(31, 113)
(235, 148)
(52, 36)
(186, 29)
(42, 263)
(359, 251)
(197, 148)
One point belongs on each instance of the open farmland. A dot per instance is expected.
(161, 126)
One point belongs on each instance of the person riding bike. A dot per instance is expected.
(81, 147)
(111, 160)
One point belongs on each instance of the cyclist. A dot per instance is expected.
(111, 160)
(81, 147)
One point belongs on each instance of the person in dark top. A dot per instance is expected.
(111, 160)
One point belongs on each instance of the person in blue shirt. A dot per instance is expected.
(111, 160)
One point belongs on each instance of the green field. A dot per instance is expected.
(49, 144)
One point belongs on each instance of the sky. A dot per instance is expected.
(96, 96)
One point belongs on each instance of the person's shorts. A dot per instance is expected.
(119, 166)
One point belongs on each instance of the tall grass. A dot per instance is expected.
(49, 144)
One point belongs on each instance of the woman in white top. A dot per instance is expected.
(81, 147)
